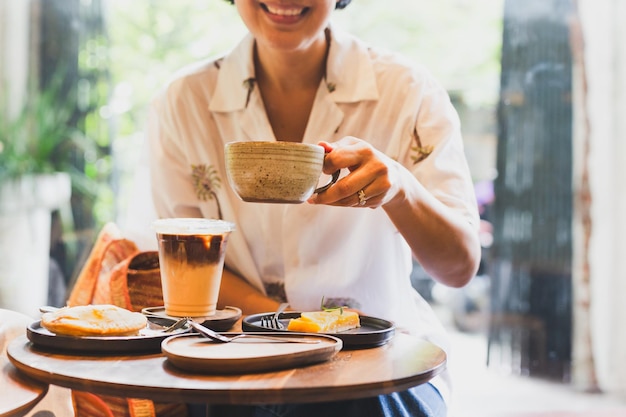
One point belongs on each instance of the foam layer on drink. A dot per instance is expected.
(192, 226)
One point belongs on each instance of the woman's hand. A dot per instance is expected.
(444, 242)
(371, 182)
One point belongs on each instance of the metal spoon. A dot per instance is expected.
(206, 332)
(180, 323)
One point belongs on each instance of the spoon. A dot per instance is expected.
(217, 337)
(180, 323)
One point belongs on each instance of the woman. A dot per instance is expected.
(406, 189)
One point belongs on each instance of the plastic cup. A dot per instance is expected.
(191, 261)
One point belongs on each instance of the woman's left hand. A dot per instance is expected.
(372, 179)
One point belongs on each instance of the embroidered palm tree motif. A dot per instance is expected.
(421, 152)
(206, 182)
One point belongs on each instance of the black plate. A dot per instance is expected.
(221, 321)
(373, 331)
(148, 339)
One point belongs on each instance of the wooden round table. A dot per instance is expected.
(18, 393)
(404, 362)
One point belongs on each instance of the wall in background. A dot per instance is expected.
(14, 49)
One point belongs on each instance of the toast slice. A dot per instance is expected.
(94, 320)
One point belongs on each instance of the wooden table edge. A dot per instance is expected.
(39, 388)
(283, 396)
(226, 396)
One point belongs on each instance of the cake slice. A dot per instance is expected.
(329, 321)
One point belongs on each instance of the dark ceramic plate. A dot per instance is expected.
(148, 340)
(373, 331)
(221, 321)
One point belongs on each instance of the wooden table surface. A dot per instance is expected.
(18, 393)
(404, 362)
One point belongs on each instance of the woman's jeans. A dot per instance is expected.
(421, 401)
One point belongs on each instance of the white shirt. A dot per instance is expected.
(346, 253)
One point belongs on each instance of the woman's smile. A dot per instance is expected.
(279, 13)
(287, 25)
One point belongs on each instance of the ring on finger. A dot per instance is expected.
(361, 196)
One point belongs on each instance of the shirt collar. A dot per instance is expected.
(349, 73)
(349, 69)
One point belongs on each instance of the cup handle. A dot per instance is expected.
(332, 181)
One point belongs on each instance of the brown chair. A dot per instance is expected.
(117, 273)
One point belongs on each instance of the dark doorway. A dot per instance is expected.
(531, 292)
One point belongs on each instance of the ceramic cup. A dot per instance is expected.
(275, 172)
(191, 262)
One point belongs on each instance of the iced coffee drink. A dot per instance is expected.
(191, 260)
